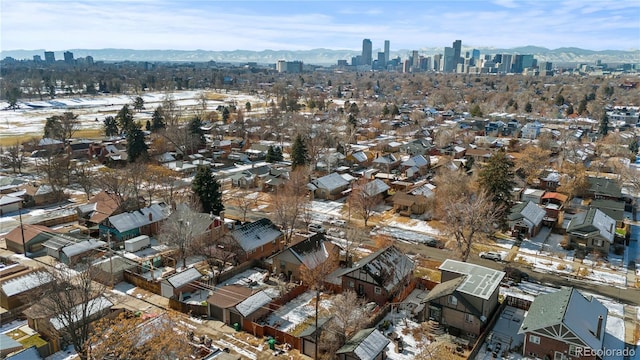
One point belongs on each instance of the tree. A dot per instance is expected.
(131, 336)
(247, 106)
(299, 155)
(559, 100)
(12, 97)
(110, 126)
(207, 188)
(157, 119)
(138, 103)
(528, 107)
(136, 147)
(361, 202)
(245, 202)
(604, 126)
(475, 111)
(197, 134)
(270, 158)
(84, 175)
(348, 315)
(574, 179)
(74, 300)
(468, 215)
(177, 230)
(14, 157)
(226, 114)
(633, 146)
(57, 169)
(61, 127)
(532, 162)
(497, 179)
(125, 119)
(289, 202)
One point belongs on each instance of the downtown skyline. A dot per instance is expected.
(304, 25)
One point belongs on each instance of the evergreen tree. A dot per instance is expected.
(208, 190)
(570, 109)
(497, 178)
(157, 119)
(604, 126)
(138, 104)
(125, 119)
(394, 110)
(247, 106)
(110, 126)
(475, 111)
(148, 125)
(225, 114)
(385, 110)
(340, 148)
(195, 129)
(527, 107)
(277, 154)
(299, 155)
(559, 100)
(633, 147)
(270, 155)
(582, 106)
(136, 147)
(352, 121)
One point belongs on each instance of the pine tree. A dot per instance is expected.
(299, 155)
(633, 147)
(527, 107)
(604, 126)
(157, 119)
(110, 126)
(195, 129)
(497, 178)
(277, 154)
(125, 119)
(208, 190)
(136, 147)
(270, 155)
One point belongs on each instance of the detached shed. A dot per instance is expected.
(179, 283)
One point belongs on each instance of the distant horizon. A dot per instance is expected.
(192, 25)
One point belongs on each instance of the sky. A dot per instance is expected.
(303, 25)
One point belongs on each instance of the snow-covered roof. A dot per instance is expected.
(255, 234)
(135, 219)
(479, 281)
(360, 156)
(79, 312)
(6, 200)
(330, 182)
(183, 278)
(592, 221)
(253, 303)
(386, 266)
(82, 247)
(528, 212)
(375, 187)
(417, 160)
(424, 190)
(25, 283)
(366, 344)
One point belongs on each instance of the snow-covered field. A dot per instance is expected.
(31, 117)
(552, 265)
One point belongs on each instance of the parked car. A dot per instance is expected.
(516, 275)
(317, 228)
(338, 222)
(431, 242)
(491, 255)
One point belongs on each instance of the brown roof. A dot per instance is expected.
(106, 205)
(554, 195)
(229, 296)
(30, 232)
(404, 199)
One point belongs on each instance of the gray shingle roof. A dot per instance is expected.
(386, 266)
(366, 344)
(529, 212)
(184, 278)
(375, 187)
(25, 283)
(480, 281)
(82, 247)
(253, 303)
(255, 234)
(135, 219)
(592, 221)
(330, 182)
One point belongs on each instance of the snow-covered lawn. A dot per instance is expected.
(324, 210)
(404, 328)
(293, 313)
(545, 264)
(415, 225)
(505, 332)
(251, 278)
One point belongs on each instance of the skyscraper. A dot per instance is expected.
(68, 57)
(366, 52)
(449, 63)
(386, 51)
(49, 57)
(457, 48)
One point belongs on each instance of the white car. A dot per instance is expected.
(491, 255)
(317, 228)
(338, 222)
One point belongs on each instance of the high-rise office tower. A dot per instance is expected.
(457, 48)
(386, 51)
(381, 63)
(449, 63)
(68, 57)
(437, 62)
(415, 60)
(475, 54)
(49, 57)
(366, 52)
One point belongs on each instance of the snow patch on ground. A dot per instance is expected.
(293, 313)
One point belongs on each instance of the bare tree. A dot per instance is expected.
(73, 300)
(115, 182)
(57, 171)
(244, 201)
(290, 200)
(468, 216)
(84, 175)
(14, 157)
(128, 336)
(532, 162)
(574, 180)
(362, 202)
(349, 315)
(219, 250)
(177, 230)
(355, 237)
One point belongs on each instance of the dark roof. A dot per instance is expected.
(444, 289)
(386, 266)
(229, 296)
(604, 186)
(614, 209)
(255, 234)
(366, 344)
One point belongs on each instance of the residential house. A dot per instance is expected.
(614, 209)
(366, 344)
(225, 298)
(184, 168)
(244, 180)
(329, 187)
(415, 202)
(533, 195)
(28, 237)
(593, 230)
(479, 155)
(418, 147)
(375, 188)
(10, 184)
(531, 130)
(38, 195)
(9, 204)
(145, 221)
(360, 158)
(416, 166)
(386, 162)
(465, 299)
(603, 188)
(564, 325)
(258, 239)
(16, 290)
(554, 203)
(311, 252)
(176, 285)
(549, 181)
(81, 251)
(8, 346)
(526, 218)
(51, 326)
(97, 209)
(379, 277)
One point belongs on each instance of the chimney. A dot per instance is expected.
(150, 217)
(599, 329)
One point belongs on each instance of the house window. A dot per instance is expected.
(452, 300)
(597, 242)
(377, 290)
(351, 284)
(573, 350)
(468, 318)
(534, 339)
(559, 356)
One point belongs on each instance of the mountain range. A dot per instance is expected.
(324, 56)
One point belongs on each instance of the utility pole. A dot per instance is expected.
(24, 245)
(110, 256)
